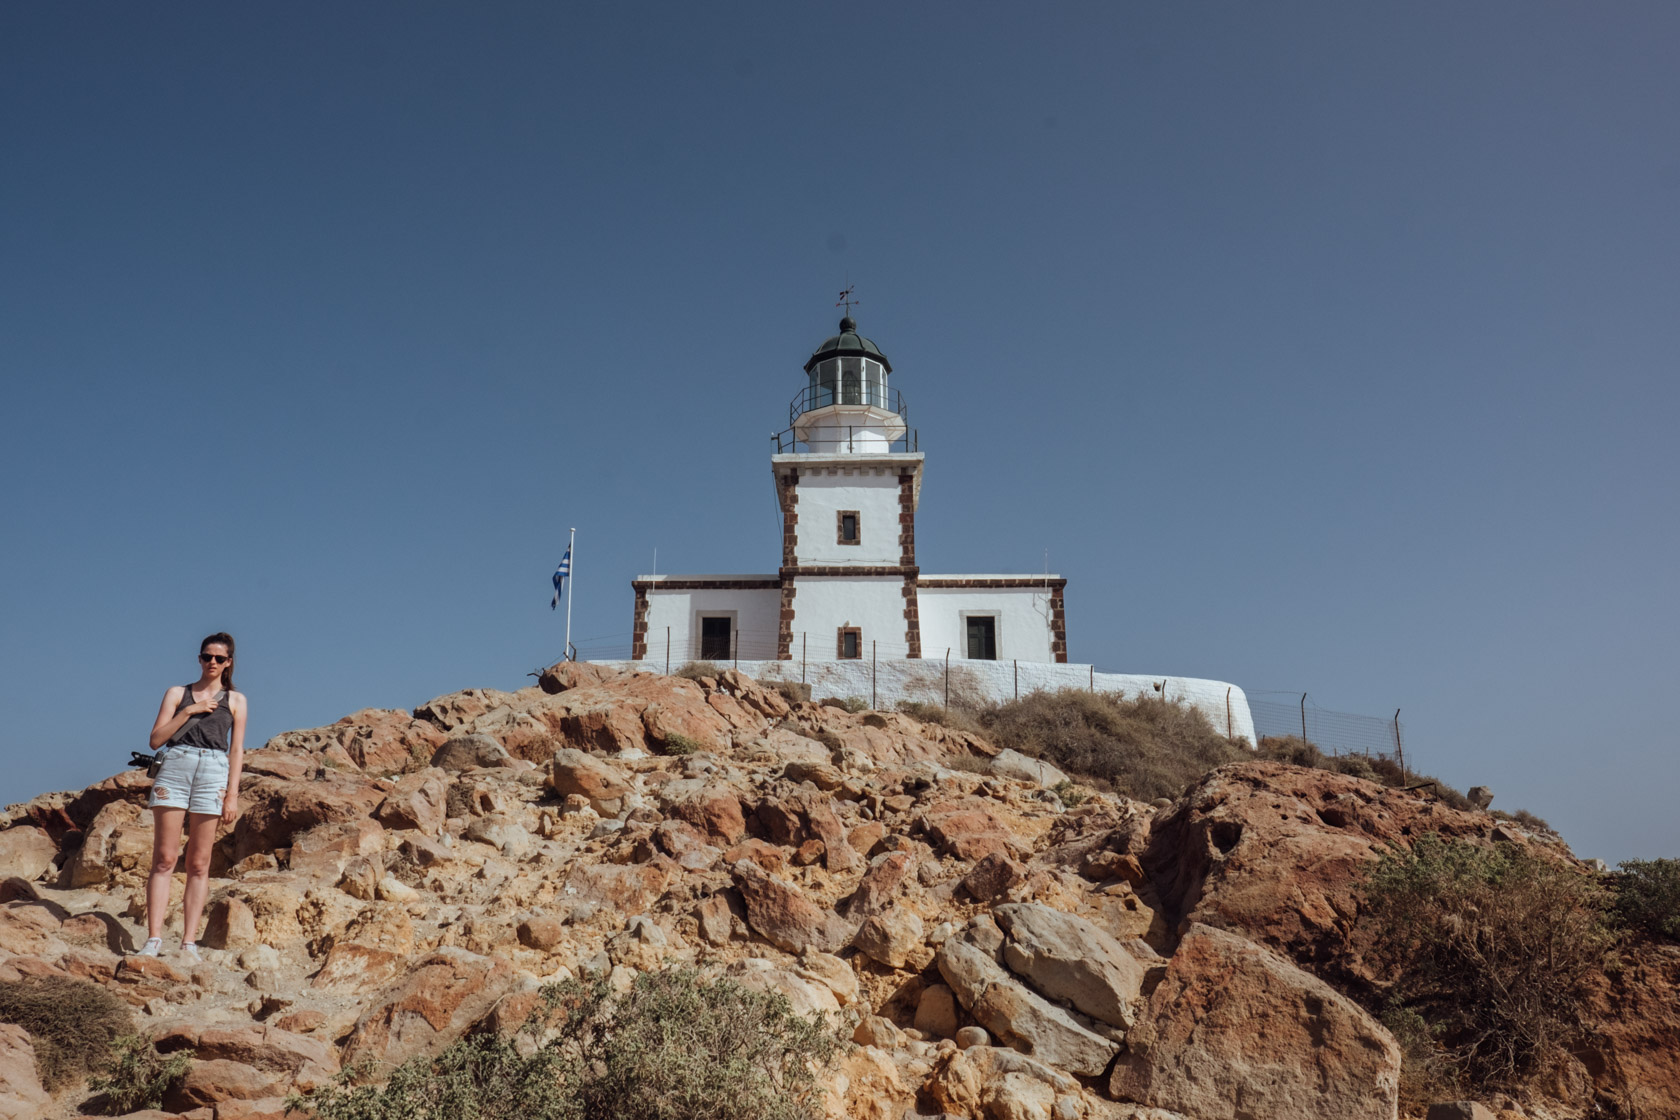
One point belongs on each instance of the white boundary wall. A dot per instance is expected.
(1225, 705)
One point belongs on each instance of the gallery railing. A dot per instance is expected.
(858, 394)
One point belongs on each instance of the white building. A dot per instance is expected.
(848, 475)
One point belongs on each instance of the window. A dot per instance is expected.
(823, 380)
(851, 392)
(716, 637)
(982, 637)
(851, 643)
(847, 526)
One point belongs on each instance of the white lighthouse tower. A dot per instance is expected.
(848, 478)
(848, 475)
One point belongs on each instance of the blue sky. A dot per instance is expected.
(1325, 347)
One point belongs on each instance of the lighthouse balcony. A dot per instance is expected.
(878, 402)
(867, 419)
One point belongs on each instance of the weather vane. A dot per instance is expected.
(847, 300)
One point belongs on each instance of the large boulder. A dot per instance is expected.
(117, 844)
(1277, 852)
(1236, 1032)
(432, 1005)
(469, 752)
(276, 811)
(21, 1094)
(780, 913)
(417, 801)
(1018, 1016)
(1069, 959)
(26, 852)
(573, 771)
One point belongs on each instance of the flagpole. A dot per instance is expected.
(570, 544)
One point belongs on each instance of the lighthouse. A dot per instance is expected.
(848, 471)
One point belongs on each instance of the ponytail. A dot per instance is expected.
(221, 638)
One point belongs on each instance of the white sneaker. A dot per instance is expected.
(189, 950)
(152, 947)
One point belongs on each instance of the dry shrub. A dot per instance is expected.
(954, 718)
(72, 1023)
(852, 704)
(678, 744)
(694, 670)
(671, 1048)
(794, 692)
(1383, 769)
(138, 1076)
(1145, 748)
(1491, 947)
(1648, 896)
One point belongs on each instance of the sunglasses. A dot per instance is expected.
(214, 659)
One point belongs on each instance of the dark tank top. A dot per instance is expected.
(213, 730)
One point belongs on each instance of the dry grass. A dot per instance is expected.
(1144, 748)
(695, 670)
(955, 718)
(72, 1023)
(1380, 768)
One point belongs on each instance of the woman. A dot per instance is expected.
(201, 728)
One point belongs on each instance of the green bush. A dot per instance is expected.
(679, 744)
(671, 1048)
(138, 1076)
(1648, 896)
(1490, 946)
(1145, 747)
(72, 1023)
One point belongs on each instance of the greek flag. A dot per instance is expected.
(560, 574)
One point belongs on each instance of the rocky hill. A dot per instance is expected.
(396, 880)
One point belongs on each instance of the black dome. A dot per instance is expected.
(848, 343)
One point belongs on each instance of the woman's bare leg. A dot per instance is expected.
(201, 835)
(166, 849)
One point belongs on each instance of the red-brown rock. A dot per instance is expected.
(444, 994)
(1236, 1032)
(21, 1094)
(209, 1082)
(716, 811)
(992, 877)
(26, 852)
(783, 916)
(276, 811)
(875, 890)
(1277, 851)
(967, 829)
(417, 801)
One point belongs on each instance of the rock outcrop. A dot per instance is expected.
(399, 879)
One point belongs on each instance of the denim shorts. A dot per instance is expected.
(191, 778)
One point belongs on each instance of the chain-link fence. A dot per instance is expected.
(1332, 732)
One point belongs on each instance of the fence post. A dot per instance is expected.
(803, 639)
(872, 664)
(1227, 711)
(1017, 677)
(1093, 678)
(1400, 749)
(667, 651)
(947, 678)
(1303, 717)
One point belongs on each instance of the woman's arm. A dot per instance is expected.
(169, 720)
(236, 757)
